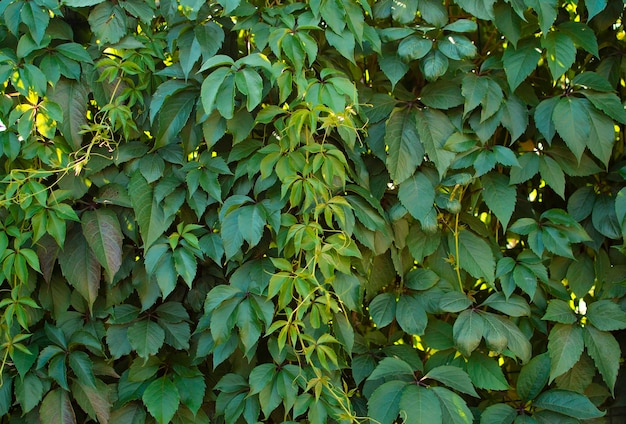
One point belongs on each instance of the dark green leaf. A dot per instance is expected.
(605, 352)
(468, 331)
(56, 408)
(559, 311)
(520, 62)
(606, 315)
(103, 234)
(500, 413)
(565, 346)
(499, 196)
(417, 195)
(404, 148)
(453, 408)
(572, 123)
(146, 337)
(533, 377)
(108, 22)
(475, 256)
(161, 399)
(384, 404)
(383, 309)
(568, 403)
(410, 315)
(420, 404)
(454, 378)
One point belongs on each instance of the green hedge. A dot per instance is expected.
(237, 211)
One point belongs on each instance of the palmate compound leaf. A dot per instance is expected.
(565, 345)
(104, 235)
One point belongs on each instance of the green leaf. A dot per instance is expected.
(468, 331)
(56, 408)
(608, 103)
(384, 404)
(103, 234)
(499, 196)
(482, 9)
(434, 65)
(533, 377)
(454, 410)
(80, 266)
(410, 315)
(161, 399)
(605, 352)
(485, 372)
(417, 195)
(108, 22)
(149, 215)
(515, 306)
(593, 81)
(565, 345)
(419, 404)
(508, 23)
(453, 377)
(547, 12)
(572, 123)
(500, 413)
(434, 128)
(393, 66)
(582, 35)
(173, 116)
(475, 256)
(601, 134)
(560, 53)
(93, 399)
(568, 403)
(594, 7)
(514, 119)
(581, 275)
(83, 368)
(454, 301)
(440, 95)
(390, 367)
(414, 47)
(383, 309)
(146, 337)
(606, 315)
(28, 391)
(131, 413)
(404, 11)
(552, 174)
(559, 311)
(72, 96)
(544, 121)
(404, 148)
(211, 86)
(474, 89)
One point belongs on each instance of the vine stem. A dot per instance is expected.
(457, 266)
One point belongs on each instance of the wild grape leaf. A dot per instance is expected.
(605, 352)
(405, 151)
(102, 231)
(499, 195)
(565, 345)
(161, 398)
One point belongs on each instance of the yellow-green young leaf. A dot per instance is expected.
(104, 235)
(80, 265)
(420, 405)
(56, 408)
(565, 345)
(161, 398)
(499, 195)
(605, 352)
(384, 404)
(533, 377)
(404, 148)
(468, 331)
(454, 410)
(568, 403)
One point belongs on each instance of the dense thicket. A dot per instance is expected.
(318, 211)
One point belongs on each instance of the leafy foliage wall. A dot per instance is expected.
(323, 211)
